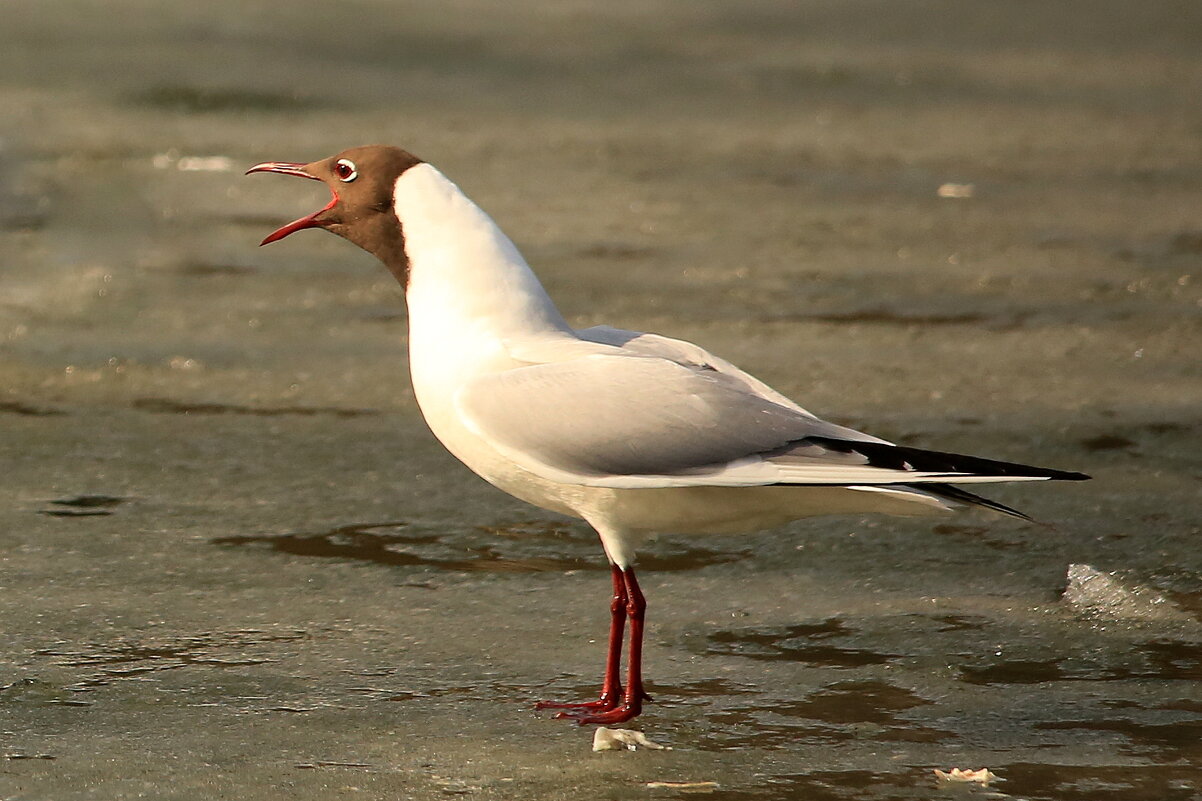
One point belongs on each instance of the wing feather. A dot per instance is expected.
(627, 420)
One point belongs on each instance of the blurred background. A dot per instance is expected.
(234, 562)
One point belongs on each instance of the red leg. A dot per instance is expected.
(611, 686)
(633, 695)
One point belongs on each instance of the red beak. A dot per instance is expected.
(308, 221)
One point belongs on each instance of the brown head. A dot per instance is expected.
(361, 180)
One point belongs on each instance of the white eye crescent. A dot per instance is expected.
(345, 170)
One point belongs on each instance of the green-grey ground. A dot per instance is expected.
(234, 563)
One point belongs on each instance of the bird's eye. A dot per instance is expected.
(345, 170)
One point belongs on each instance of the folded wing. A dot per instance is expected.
(629, 420)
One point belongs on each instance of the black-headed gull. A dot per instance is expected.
(634, 433)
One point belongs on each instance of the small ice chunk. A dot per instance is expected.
(164, 161)
(956, 190)
(684, 787)
(1103, 595)
(623, 740)
(979, 776)
(205, 164)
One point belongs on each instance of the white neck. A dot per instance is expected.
(463, 270)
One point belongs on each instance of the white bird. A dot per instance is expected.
(634, 433)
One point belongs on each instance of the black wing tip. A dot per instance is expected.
(958, 495)
(903, 457)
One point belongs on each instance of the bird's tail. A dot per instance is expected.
(951, 493)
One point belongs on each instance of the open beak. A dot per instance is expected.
(308, 221)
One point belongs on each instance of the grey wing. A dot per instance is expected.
(630, 421)
(687, 353)
(622, 415)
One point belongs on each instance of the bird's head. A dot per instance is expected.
(362, 181)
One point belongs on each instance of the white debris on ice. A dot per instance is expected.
(172, 158)
(979, 776)
(623, 740)
(956, 190)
